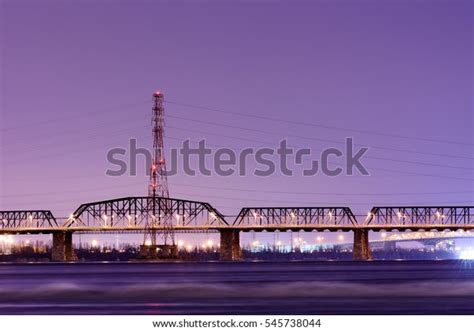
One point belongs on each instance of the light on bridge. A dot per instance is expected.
(94, 243)
(340, 237)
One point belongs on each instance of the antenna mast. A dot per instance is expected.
(160, 223)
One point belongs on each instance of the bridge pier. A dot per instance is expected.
(230, 245)
(62, 247)
(361, 250)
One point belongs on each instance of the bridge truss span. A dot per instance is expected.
(295, 218)
(421, 217)
(27, 219)
(132, 213)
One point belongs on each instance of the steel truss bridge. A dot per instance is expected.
(130, 214)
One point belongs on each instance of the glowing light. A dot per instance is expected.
(27, 242)
(210, 243)
(279, 243)
(148, 242)
(94, 243)
(292, 215)
(467, 254)
(383, 234)
(189, 247)
(213, 215)
(71, 216)
(180, 243)
(330, 214)
(319, 239)
(340, 237)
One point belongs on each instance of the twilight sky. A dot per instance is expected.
(397, 76)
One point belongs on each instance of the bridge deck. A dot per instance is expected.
(243, 228)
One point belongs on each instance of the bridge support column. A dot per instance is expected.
(230, 246)
(361, 250)
(62, 247)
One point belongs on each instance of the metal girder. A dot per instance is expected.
(421, 216)
(295, 217)
(133, 212)
(27, 219)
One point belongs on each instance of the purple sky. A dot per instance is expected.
(77, 79)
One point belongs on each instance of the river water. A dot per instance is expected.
(396, 287)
